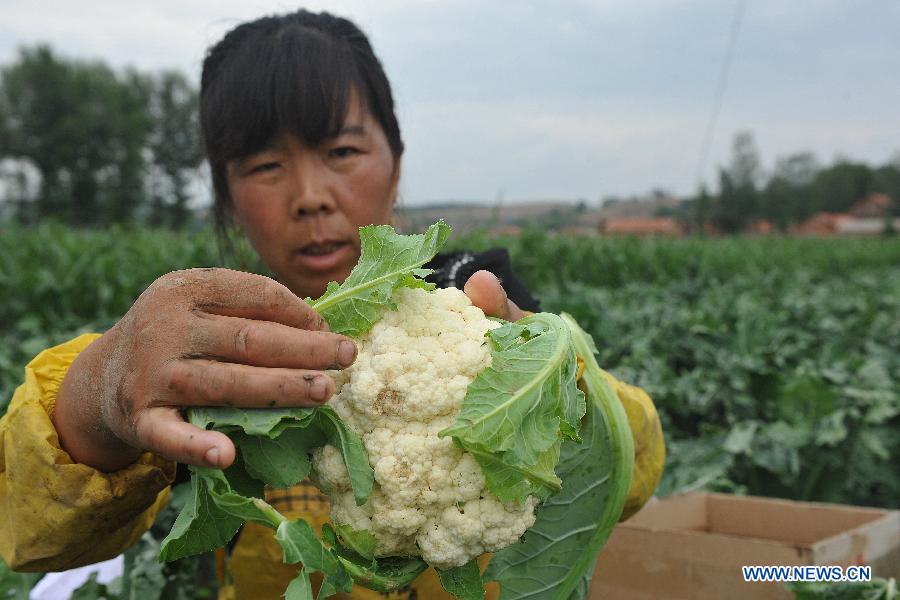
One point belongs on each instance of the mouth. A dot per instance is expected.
(320, 249)
(324, 256)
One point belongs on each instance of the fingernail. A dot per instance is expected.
(346, 353)
(212, 457)
(318, 389)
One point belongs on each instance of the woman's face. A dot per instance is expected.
(301, 207)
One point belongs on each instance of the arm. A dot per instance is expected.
(78, 482)
(54, 513)
(649, 445)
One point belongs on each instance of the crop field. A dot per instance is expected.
(774, 362)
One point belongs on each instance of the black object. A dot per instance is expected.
(453, 269)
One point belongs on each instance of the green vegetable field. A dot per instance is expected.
(775, 362)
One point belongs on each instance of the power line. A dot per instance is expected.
(720, 89)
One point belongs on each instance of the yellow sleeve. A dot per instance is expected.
(56, 514)
(649, 445)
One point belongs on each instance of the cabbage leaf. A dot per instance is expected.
(555, 559)
(516, 411)
(387, 261)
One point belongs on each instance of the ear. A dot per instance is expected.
(395, 181)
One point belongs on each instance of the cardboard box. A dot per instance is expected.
(693, 546)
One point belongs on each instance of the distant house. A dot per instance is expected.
(821, 224)
(872, 206)
(866, 217)
(871, 226)
(640, 226)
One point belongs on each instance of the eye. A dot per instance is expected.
(343, 152)
(263, 167)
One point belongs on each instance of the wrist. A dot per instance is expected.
(78, 416)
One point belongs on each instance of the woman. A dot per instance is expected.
(304, 148)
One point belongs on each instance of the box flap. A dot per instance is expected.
(797, 523)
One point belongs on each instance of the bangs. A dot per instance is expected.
(298, 82)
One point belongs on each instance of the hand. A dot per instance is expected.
(486, 292)
(202, 337)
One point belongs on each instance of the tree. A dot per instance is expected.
(841, 185)
(887, 181)
(738, 201)
(105, 146)
(82, 128)
(702, 207)
(174, 144)
(788, 196)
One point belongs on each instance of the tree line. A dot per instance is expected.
(797, 188)
(87, 145)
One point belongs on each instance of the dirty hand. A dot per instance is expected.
(201, 337)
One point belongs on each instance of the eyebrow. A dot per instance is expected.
(357, 130)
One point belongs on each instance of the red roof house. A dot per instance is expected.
(640, 226)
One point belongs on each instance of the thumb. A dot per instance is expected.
(487, 293)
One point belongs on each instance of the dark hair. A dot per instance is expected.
(292, 73)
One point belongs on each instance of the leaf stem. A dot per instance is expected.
(274, 517)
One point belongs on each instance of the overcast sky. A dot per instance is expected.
(559, 99)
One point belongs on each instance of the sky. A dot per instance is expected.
(568, 99)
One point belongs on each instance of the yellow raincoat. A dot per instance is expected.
(56, 514)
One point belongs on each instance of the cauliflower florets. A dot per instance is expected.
(407, 384)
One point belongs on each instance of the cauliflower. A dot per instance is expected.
(407, 384)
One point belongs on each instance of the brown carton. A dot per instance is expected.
(693, 546)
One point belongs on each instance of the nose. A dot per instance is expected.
(310, 192)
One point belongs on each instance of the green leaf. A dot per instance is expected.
(276, 459)
(361, 542)
(91, 590)
(387, 261)
(512, 483)
(515, 410)
(832, 429)
(235, 504)
(201, 526)
(300, 588)
(463, 582)
(280, 462)
(16, 586)
(299, 544)
(362, 476)
(560, 549)
(388, 574)
(243, 482)
(269, 422)
(740, 439)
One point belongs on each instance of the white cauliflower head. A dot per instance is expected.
(407, 384)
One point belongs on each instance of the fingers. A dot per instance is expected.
(163, 431)
(269, 344)
(486, 292)
(250, 296)
(211, 383)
